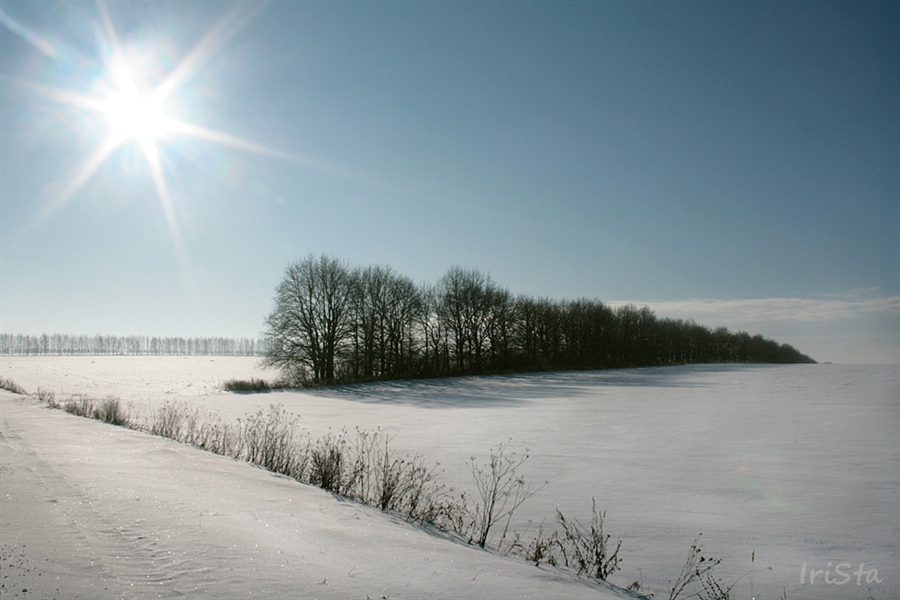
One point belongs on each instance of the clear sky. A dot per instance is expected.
(735, 163)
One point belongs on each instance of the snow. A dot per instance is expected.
(798, 465)
(94, 511)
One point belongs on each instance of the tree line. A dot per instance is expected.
(59, 344)
(333, 323)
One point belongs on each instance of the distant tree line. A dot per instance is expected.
(59, 344)
(333, 323)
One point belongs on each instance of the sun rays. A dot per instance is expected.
(136, 110)
(132, 99)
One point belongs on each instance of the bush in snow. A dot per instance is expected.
(587, 549)
(170, 419)
(215, 436)
(583, 548)
(269, 440)
(80, 405)
(499, 492)
(698, 568)
(48, 397)
(12, 386)
(381, 478)
(110, 410)
(249, 385)
(328, 463)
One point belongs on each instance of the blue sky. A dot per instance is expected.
(735, 163)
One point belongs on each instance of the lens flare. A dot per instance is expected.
(134, 94)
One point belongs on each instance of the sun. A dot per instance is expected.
(133, 105)
(132, 115)
(135, 108)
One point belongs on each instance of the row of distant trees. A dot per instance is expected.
(333, 323)
(59, 344)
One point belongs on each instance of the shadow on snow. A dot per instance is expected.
(518, 389)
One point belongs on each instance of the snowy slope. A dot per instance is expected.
(95, 511)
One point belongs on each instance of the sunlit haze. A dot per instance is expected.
(733, 163)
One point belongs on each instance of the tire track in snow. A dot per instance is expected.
(130, 560)
(44, 554)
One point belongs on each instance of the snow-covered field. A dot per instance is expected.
(797, 466)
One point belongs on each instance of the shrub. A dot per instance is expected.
(48, 397)
(268, 440)
(169, 420)
(697, 568)
(500, 491)
(427, 501)
(587, 549)
(215, 436)
(386, 481)
(245, 385)
(12, 386)
(110, 410)
(327, 463)
(538, 550)
(713, 590)
(80, 405)
(373, 473)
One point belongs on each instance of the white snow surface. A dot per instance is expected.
(797, 466)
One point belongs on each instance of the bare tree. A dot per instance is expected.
(475, 311)
(310, 324)
(386, 309)
(435, 358)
